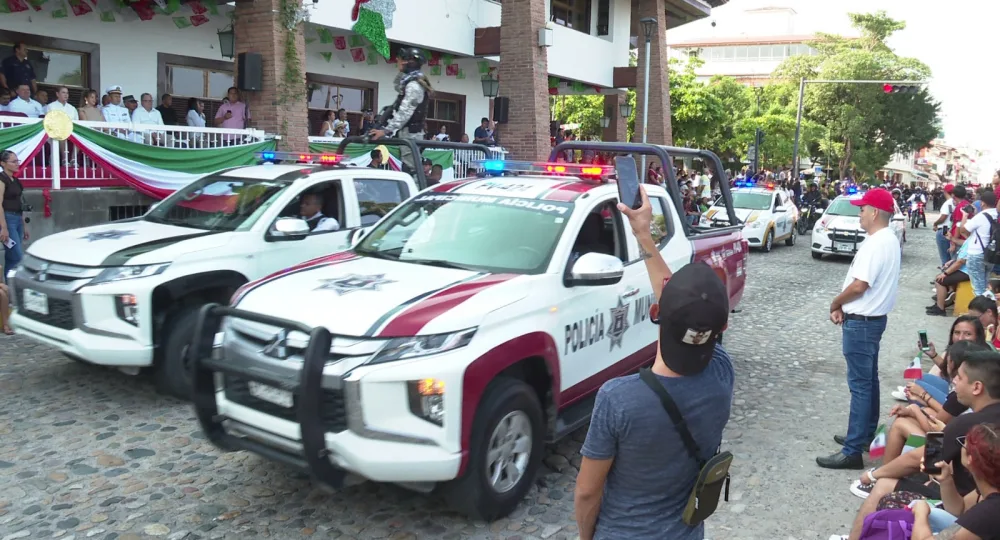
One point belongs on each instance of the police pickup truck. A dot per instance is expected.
(471, 325)
(126, 294)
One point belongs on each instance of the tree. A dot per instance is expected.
(865, 126)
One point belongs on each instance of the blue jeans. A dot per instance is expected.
(935, 386)
(976, 268)
(12, 256)
(860, 345)
(942, 245)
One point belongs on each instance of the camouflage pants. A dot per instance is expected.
(410, 163)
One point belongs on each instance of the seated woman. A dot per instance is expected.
(948, 280)
(985, 308)
(965, 328)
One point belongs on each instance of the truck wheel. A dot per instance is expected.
(817, 256)
(768, 242)
(508, 443)
(790, 241)
(172, 372)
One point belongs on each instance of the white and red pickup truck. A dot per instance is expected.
(472, 324)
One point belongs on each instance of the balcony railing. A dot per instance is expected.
(62, 164)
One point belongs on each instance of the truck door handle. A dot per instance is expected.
(630, 292)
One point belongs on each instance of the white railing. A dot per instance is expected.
(462, 158)
(63, 160)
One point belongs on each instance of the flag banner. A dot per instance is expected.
(877, 448)
(914, 371)
(16, 6)
(460, 74)
(451, 70)
(447, 59)
(436, 71)
(327, 55)
(340, 43)
(310, 40)
(484, 67)
(358, 54)
(37, 4)
(913, 442)
(212, 6)
(356, 41)
(372, 58)
(324, 35)
(181, 22)
(107, 16)
(196, 7)
(198, 20)
(60, 12)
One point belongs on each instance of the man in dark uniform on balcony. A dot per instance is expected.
(16, 70)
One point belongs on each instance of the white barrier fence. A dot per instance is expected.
(64, 161)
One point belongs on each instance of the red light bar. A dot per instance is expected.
(322, 159)
(770, 185)
(578, 169)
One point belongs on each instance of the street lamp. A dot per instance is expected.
(491, 86)
(625, 108)
(605, 121)
(648, 25)
(227, 42)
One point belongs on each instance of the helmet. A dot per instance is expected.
(413, 56)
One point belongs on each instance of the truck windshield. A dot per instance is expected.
(751, 201)
(492, 234)
(843, 207)
(218, 203)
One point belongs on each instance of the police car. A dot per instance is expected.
(127, 293)
(767, 214)
(470, 326)
(839, 231)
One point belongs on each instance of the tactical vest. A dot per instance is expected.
(313, 222)
(416, 123)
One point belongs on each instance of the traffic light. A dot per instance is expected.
(760, 138)
(900, 88)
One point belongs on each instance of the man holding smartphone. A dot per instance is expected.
(861, 309)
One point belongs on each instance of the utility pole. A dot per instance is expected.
(891, 87)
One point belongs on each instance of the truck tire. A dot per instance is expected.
(172, 372)
(509, 418)
(817, 256)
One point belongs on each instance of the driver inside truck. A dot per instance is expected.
(310, 209)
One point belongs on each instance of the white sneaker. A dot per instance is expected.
(899, 395)
(838, 537)
(861, 490)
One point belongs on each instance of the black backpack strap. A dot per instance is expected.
(993, 224)
(675, 414)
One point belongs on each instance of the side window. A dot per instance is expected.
(662, 226)
(602, 232)
(326, 198)
(378, 197)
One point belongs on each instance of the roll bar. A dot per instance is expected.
(417, 148)
(664, 154)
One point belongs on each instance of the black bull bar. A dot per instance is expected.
(314, 457)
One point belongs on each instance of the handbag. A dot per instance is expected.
(713, 474)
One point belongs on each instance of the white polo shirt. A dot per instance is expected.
(979, 231)
(946, 209)
(30, 107)
(877, 263)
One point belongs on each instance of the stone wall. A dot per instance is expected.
(75, 208)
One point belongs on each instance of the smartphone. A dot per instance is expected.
(9, 243)
(932, 452)
(922, 336)
(628, 181)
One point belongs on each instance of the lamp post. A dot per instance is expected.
(491, 86)
(625, 108)
(648, 25)
(227, 42)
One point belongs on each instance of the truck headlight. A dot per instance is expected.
(417, 346)
(427, 399)
(119, 273)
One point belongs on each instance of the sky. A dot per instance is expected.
(958, 40)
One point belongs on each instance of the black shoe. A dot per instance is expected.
(936, 311)
(842, 439)
(841, 461)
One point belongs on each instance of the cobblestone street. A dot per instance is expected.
(93, 453)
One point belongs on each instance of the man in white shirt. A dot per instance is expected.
(310, 209)
(114, 112)
(148, 115)
(62, 104)
(868, 295)
(943, 224)
(24, 104)
(978, 230)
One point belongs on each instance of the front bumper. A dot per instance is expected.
(838, 241)
(323, 432)
(754, 235)
(84, 326)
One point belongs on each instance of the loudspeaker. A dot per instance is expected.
(501, 109)
(250, 70)
(554, 128)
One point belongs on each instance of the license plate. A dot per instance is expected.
(845, 246)
(36, 301)
(271, 394)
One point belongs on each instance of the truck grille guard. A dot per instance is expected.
(845, 236)
(314, 457)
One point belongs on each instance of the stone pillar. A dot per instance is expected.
(524, 72)
(659, 131)
(617, 130)
(280, 106)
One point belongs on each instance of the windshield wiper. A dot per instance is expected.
(439, 263)
(377, 254)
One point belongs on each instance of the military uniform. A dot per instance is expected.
(409, 110)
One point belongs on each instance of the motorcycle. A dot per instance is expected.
(808, 216)
(917, 216)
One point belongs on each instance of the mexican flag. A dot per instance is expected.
(914, 370)
(913, 442)
(877, 449)
(372, 18)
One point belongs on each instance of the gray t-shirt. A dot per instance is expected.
(652, 475)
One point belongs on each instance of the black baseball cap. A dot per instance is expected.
(692, 314)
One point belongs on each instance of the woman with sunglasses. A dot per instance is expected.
(12, 227)
(978, 513)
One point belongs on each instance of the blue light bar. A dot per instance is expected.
(493, 165)
(851, 190)
(267, 155)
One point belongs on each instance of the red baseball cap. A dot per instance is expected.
(948, 188)
(876, 198)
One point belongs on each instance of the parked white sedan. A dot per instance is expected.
(839, 231)
(767, 214)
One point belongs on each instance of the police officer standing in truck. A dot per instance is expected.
(407, 115)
